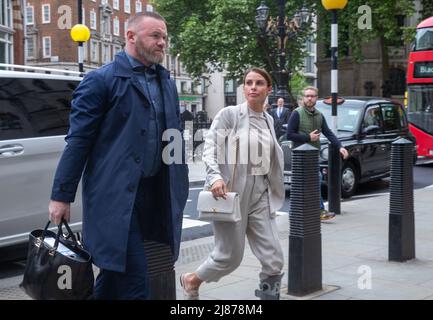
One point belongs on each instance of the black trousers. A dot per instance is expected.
(133, 284)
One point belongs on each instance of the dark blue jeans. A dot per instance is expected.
(133, 284)
(322, 205)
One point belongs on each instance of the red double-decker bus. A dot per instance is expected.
(420, 89)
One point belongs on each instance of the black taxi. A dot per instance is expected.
(366, 128)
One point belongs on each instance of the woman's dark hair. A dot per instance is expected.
(262, 72)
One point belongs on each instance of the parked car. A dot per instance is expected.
(366, 128)
(34, 114)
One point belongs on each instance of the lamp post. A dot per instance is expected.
(80, 34)
(334, 163)
(174, 62)
(282, 30)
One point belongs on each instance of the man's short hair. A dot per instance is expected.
(134, 19)
(310, 88)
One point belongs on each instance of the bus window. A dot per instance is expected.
(424, 39)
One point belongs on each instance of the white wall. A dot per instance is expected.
(215, 94)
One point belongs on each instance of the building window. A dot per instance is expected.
(204, 86)
(125, 26)
(116, 26)
(46, 47)
(83, 15)
(30, 13)
(94, 51)
(184, 87)
(309, 64)
(6, 32)
(173, 63)
(398, 81)
(310, 48)
(127, 6)
(104, 1)
(86, 54)
(116, 4)
(195, 87)
(229, 92)
(46, 17)
(6, 43)
(93, 20)
(105, 24)
(30, 47)
(106, 56)
(149, 8)
(6, 13)
(229, 86)
(138, 6)
(167, 61)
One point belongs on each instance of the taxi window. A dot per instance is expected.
(372, 117)
(391, 117)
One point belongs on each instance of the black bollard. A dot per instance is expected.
(401, 236)
(160, 269)
(305, 251)
(334, 179)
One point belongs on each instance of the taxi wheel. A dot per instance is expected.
(349, 180)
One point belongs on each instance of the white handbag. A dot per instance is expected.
(220, 209)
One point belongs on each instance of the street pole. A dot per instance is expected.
(80, 43)
(334, 163)
(282, 30)
(80, 34)
(283, 75)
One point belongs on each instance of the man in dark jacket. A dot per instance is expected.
(305, 126)
(281, 115)
(130, 193)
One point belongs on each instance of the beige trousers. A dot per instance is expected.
(258, 224)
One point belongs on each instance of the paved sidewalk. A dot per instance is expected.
(353, 244)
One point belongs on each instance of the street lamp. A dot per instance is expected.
(80, 33)
(282, 30)
(334, 164)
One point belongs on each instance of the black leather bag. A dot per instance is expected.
(58, 268)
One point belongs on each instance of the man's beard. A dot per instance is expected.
(147, 54)
(309, 104)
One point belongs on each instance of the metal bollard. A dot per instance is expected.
(305, 250)
(334, 179)
(401, 236)
(160, 269)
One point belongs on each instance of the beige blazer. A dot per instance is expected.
(231, 125)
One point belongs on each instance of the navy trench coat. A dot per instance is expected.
(108, 127)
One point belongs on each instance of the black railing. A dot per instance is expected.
(195, 131)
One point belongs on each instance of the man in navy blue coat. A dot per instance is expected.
(115, 142)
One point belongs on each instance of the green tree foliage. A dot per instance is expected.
(384, 26)
(297, 84)
(214, 35)
(427, 9)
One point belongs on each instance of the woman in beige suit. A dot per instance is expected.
(242, 138)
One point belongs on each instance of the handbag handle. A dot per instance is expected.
(236, 163)
(59, 234)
